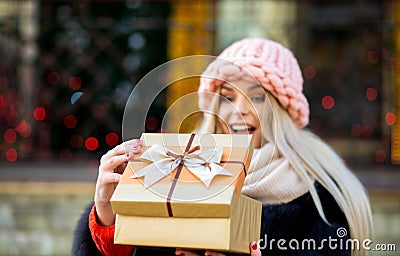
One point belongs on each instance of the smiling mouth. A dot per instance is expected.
(246, 129)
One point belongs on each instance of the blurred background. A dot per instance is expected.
(67, 69)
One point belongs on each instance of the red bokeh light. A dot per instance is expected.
(11, 155)
(151, 123)
(75, 83)
(91, 143)
(390, 118)
(53, 78)
(76, 141)
(112, 139)
(70, 121)
(367, 130)
(24, 129)
(328, 102)
(380, 156)
(10, 136)
(1, 100)
(371, 94)
(39, 114)
(309, 72)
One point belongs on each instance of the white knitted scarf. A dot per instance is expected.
(271, 179)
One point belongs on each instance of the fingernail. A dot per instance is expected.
(135, 147)
(254, 246)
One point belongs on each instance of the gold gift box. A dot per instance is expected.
(181, 211)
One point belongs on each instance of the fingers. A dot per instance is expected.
(111, 177)
(211, 253)
(128, 146)
(115, 161)
(115, 158)
(181, 252)
(255, 249)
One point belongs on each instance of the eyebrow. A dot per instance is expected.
(256, 86)
(226, 88)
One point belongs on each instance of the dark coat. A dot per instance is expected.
(297, 220)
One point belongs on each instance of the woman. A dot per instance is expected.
(308, 194)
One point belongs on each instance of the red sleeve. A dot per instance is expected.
(103, 237)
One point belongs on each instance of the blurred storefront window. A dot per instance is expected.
(68, 70)
(346, 56)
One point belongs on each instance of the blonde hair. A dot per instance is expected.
(313, 159)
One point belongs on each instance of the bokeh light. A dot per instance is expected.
(53, 78)
(1, 100)
(136, 41)
(112, 139)
(91, 143)
(24, 129)
(76, 97)
(390, 118)
(367, 130)
(380, 156)
(10, 136)
(11, 155)
(309, 72)
(75, 83)
(356, 130)
(371, 94)
(39, 113)
(328, 102)
(151, 123)
(70, 121)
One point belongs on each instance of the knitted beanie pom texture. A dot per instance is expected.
(267, 62)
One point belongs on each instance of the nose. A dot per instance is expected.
(243, 105)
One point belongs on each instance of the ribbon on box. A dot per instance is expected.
(204, 166)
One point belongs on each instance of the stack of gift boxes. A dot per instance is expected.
(184, 187)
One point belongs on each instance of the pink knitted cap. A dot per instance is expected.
(271, 64)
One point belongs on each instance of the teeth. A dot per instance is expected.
(240, 127)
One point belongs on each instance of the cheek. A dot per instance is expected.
(224, 111)
(258, 110)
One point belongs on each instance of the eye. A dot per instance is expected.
(258, 98)
(226, 98)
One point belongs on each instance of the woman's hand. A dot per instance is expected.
(254, 251)
(112, 165)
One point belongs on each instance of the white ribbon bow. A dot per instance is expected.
(203, 165)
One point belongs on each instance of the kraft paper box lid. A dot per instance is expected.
(185, 196)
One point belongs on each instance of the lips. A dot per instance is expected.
(242, 128)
